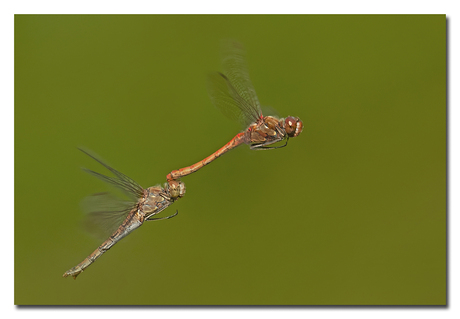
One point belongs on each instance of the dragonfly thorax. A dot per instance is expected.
(154, 200)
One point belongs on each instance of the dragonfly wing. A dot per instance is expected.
(121, 181)
(104, 213)
(225, 97)
(236, 70)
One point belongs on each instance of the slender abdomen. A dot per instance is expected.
(131, 222)
(234, 142)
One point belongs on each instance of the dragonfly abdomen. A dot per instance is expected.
(234, 142)
(131, 223)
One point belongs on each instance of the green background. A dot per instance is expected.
(352, 212)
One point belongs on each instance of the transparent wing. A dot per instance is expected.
(236, 70)
(104, 213)
(121, 181)
(233, 92)
(224, 96)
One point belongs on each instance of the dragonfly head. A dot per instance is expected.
(293, 126)
(176, 189)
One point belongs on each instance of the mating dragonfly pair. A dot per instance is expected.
(231, 92)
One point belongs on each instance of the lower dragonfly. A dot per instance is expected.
(234, 94)
(143, 204)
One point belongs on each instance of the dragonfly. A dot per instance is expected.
(125, 215)
(234, 94)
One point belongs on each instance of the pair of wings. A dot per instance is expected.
(232, 92)
(105, 211)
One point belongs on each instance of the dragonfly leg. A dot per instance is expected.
(160, 218)
(263, 147)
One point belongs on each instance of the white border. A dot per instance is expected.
(9, 8)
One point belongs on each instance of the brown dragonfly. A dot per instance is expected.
(235, 96)
(109, 212)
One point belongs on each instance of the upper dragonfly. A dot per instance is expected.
(109, 212)
(235, 96)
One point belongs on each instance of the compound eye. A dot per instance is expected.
(290, 124)
(293, 126)
(174, 189)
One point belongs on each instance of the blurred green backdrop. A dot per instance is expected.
(352, 212)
